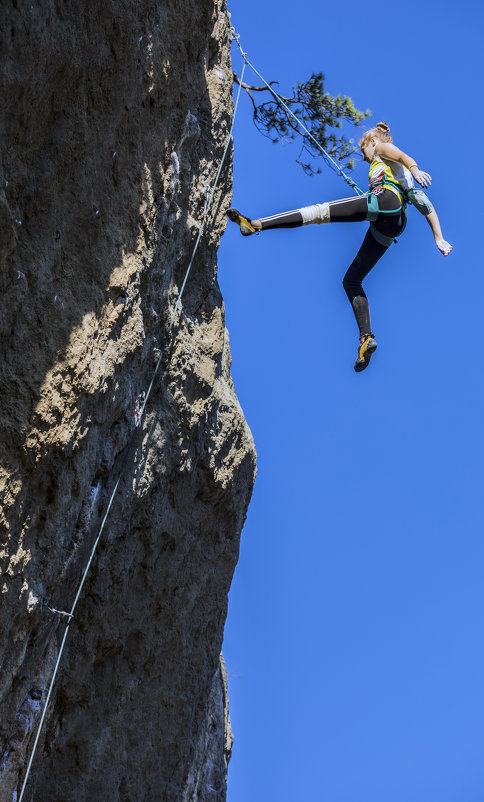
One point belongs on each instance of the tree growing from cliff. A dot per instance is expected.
(320, 112)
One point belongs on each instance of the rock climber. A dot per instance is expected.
(392, 174)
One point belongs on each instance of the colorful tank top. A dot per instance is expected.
(394, 171)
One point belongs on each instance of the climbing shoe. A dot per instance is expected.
(245, 223)
(365, 349)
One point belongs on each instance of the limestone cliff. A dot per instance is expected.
(114, 118)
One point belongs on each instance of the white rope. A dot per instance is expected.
(64, 638)
(208, 204)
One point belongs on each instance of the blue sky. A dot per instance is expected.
(354, 641)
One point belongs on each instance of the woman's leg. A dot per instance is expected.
(347, 210)
(366, 258)
(318, 213)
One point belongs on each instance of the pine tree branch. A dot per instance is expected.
(249, 88)
(316, 108)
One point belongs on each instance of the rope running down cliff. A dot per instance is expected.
(70, 615)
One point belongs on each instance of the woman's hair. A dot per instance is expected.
(382, 131)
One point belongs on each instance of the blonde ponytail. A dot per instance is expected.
(381, 130)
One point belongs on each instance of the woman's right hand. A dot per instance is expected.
(443, 246)
(424, 179)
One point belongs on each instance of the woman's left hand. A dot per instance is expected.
(424, 179)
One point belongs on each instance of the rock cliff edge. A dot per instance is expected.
(114, 118)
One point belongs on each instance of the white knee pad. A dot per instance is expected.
(319, 213)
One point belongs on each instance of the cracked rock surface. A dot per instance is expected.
(115, 114)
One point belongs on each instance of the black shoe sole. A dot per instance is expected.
(236, 217)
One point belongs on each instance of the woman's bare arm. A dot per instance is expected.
(397, 155)
(434, 223)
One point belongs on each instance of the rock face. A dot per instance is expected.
(114, 118)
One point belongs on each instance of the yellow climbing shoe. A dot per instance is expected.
(245, 223)
(366, 348)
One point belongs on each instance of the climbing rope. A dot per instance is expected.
(329, 159)
(208, 204)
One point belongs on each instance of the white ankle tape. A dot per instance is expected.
(319, 213)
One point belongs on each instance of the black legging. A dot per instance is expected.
(354, 210)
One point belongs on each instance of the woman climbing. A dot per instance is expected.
(391, 187)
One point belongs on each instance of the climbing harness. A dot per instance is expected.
(142, 401)
(417, 197)
(374, 208)
(372, 198)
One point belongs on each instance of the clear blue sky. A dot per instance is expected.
(354, 641)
